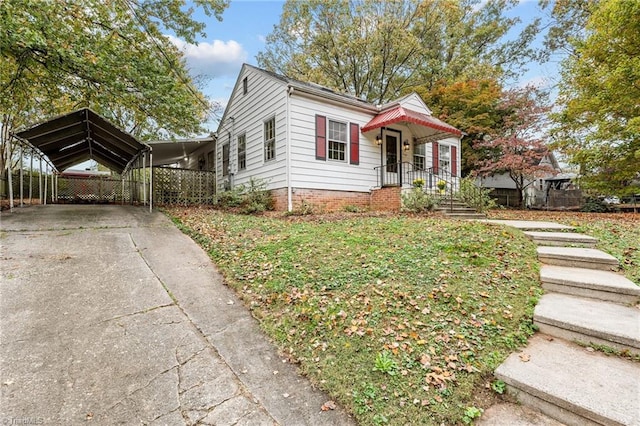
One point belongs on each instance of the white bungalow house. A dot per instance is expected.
(309, 143)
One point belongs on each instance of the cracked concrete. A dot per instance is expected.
(110, 315)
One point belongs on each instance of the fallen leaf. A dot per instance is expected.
(329, 405)
(524, 357)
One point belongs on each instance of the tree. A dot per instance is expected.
(377, 50)
(516, 146)
(598, 125)
(471, 105)
(110, 56)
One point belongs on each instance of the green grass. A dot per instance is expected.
(400, 319)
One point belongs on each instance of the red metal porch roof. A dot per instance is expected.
(400, 114)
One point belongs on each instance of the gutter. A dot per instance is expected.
(288, 150)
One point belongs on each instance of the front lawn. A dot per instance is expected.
(402, 320)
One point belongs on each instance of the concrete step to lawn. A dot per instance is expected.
(469, 216)
(572, 384)
(562, 239)
(529, 225)
(589, 321)
(577, 257)
(602, 285)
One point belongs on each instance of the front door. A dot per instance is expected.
(391, 148)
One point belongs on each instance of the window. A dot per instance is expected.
(444, 160)
(418, 156)
(211, 166)
(270, 139)
(225, 159)
(337, 141)
(242, 152)
(245, 86)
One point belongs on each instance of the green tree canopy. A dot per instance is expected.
(377, 50)
(598, 125)
(110, 56)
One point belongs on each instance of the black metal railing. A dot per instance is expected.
(405, 173)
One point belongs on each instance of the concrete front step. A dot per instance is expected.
(457, 209)
(573, 385)
(561, 239)
(465, 215)
(531, 225)
(577, 257)
(602, 285)
(589, 321)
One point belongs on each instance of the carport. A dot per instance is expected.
(84, 135)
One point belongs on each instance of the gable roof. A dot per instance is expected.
(401, 114)
(316, 89)
(83, 135)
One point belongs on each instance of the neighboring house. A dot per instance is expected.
(311, 144)
(193, 153)
(505, 191)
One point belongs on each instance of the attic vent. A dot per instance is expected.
(245, 85)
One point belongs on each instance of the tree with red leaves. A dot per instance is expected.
(516, 147)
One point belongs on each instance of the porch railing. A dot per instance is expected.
(405, 173)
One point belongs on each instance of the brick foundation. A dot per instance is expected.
(321, 199)
(386, 199)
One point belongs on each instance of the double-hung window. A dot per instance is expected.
(419, 156)
(225, 159)
(444, 160)
(337, 141)
(270, 139)
(242, 152)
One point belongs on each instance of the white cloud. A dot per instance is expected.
(262, 38)
(216, 59)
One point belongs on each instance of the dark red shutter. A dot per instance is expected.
(355, 144)
(321, 137)
(454, 161)
(435, 156)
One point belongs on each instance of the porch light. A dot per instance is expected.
(406, 145)
(379, 140)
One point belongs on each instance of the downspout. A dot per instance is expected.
(288, 150)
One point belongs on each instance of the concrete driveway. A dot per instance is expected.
(110, 315)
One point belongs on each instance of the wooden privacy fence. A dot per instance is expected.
(183, 186)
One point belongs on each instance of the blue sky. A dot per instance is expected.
(241, 35)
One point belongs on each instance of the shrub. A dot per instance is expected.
(350, 208)
(595, 205)
(418, 201)
(475, 196)
(304, 209)
(250, 198)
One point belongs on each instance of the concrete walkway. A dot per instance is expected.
(110, 315)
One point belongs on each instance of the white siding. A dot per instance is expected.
(266, 98)
(306, 171)
(414, 102)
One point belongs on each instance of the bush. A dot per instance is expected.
(350, 208)
(595, 205)
(304, 209)
(418, 201)
(250, 198)
(475, 196)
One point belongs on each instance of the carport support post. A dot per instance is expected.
(9, 180)
(31, 178)
(52, 184)
(46, 169)
(144, 180)
(21, 177)
(150, 179)
(40, 182)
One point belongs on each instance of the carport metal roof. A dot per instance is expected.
(83, 135)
